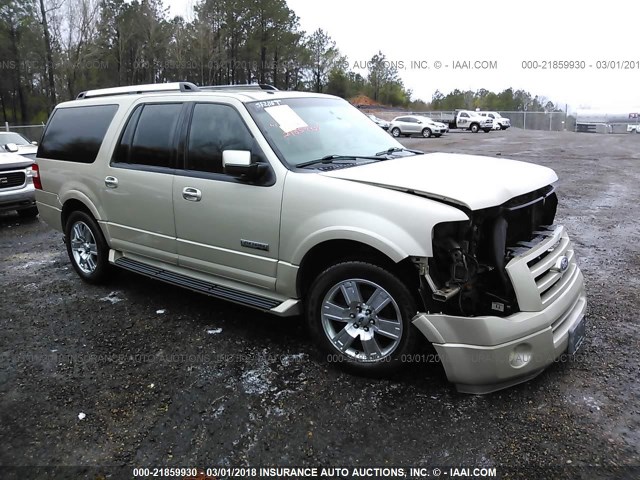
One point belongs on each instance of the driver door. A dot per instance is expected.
(225, 226)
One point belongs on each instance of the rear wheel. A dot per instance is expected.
(426, 133)
(87, 248)
(474, 128)
(395, 132)
(360, 315)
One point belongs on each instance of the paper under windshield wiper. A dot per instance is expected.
(398, 149)
(332, 158)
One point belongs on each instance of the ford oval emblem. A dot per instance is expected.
(562, 264)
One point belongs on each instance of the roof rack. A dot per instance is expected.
(135, 89)
(240, 87)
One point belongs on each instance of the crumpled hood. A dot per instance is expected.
(474, 181)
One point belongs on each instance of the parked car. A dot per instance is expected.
(15, 143)
(295, 203)
(17, 190)
(408, 125)
(378, 121)
(502, 123)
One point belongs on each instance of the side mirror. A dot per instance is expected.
(238, 163)
(11, 147)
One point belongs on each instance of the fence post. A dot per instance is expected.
(6, 126)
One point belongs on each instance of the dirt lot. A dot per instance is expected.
(166, 377)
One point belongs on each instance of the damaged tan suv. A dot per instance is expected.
(296, 203)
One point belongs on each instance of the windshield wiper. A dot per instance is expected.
(332, 158)
(398, 149)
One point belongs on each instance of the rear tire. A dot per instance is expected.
(87, 248)
(360, 315)
(474, 128)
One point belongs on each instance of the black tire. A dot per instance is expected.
(395, 132)
(396, 315)
(31, 212)
(474, 128)
(101, 270)
(426, 132)
(438, 135)
(486, 130)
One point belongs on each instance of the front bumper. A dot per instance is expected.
(488, 353)
(18, 198)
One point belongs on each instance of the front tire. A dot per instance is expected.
(426, 133)
(360, 315)
(395, 132)
(87, 248)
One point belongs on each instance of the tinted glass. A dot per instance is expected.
(215, 128)
(153, 140)
(123, 150)
(75, 134)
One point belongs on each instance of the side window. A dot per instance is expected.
(148, 138)
(491, 115)
(464, 115)
(76, 134)
(215, 128)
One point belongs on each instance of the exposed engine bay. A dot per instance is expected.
(466, 275)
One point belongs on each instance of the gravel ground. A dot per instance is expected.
(166, 377)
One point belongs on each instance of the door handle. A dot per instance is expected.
(111, 182)
(191, 194)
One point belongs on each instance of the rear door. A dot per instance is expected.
(138, 184)
(225, 226)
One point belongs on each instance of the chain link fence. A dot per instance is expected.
(550, 121)
(30, 132)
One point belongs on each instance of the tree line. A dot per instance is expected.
(507, 100)
(51, 50)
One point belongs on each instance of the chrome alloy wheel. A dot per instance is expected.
(83, 247)
(361, 320)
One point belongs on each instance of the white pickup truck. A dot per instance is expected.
(467, 120)
(498, 120)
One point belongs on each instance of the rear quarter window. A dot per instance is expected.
(75, 134)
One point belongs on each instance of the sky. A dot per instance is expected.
(493, 44)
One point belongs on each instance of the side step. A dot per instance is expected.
(211, 289)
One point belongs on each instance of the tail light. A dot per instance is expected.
(35, 176)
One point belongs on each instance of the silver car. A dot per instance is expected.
(17, 190)
(408, 125)
(13, 142)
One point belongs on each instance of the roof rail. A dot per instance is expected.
(134, 89)
(240, 87)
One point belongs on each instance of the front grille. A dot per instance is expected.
(11, 179)
(536, 281)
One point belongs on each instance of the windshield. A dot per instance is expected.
(12, 137)
(301, 130)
